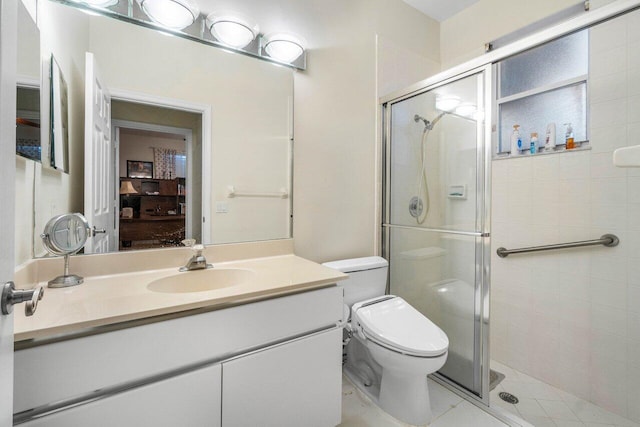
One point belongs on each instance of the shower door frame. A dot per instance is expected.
(481, 360)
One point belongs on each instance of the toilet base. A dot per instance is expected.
(406, 397)
(420, 416)
(395, 385)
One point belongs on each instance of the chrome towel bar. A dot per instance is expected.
(608, 240)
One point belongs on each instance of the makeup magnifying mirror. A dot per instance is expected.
(65, 235)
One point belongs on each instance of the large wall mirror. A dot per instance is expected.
(167, 138)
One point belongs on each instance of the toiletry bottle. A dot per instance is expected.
(533, 145)
(550, 140)
(516, 141)
(568, 137)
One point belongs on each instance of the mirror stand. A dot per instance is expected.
(66, 279)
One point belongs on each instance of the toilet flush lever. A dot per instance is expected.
(12, 296)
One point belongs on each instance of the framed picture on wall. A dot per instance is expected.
(139, 169)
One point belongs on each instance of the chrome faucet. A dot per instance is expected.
(197, 261)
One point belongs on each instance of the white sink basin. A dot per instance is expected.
(201, 280)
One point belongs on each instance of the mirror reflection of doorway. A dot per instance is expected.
(155, 166)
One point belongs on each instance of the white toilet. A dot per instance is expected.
(393, 347)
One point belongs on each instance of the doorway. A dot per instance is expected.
(157, 160)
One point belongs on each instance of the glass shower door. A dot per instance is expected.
(435, 225)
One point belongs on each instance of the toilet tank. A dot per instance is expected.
(367, 277)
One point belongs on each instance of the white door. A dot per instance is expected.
(8, 46)
(99, 183)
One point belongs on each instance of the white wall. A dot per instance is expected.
(572, 318)
(336, 118)
(28, 45)
(398, 66)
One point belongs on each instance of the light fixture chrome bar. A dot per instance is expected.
(608, 240)
(129, 11)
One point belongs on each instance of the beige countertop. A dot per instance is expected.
(111, 299)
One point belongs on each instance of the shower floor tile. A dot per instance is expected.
(449, 410)
(544, 405)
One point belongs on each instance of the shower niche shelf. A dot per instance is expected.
(533, 92)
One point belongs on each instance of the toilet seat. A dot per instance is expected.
(393, 323)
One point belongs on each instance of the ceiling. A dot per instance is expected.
(440, 9)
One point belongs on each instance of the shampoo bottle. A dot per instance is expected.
(568, 137)
(516, 141)
(533, 145)
(550, 140)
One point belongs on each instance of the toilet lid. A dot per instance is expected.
(395, 324)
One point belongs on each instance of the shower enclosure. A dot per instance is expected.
(436, 215)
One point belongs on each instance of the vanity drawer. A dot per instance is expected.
(190, 400)
(68, 369)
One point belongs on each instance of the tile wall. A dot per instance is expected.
(572, 318)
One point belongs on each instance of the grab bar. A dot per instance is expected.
(608, 240)
(231, 193)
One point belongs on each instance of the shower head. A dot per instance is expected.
(427, 124)
(417, 118)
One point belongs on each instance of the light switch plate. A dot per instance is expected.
(222, 207)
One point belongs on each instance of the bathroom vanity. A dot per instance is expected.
(264, 351)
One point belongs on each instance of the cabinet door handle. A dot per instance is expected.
(12, 296)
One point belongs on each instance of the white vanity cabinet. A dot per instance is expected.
(275, 362)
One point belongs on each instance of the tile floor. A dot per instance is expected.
(449, 410)
(546, 406)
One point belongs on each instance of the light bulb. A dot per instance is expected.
(283, 47)
(101, 3)
(466, 109)
(173, 14)
(231, 30)
(447, 103)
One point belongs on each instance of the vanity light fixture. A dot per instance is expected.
(227, 30)
(231, 29)
(283, 47)
(172, 14)
(447, 102)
